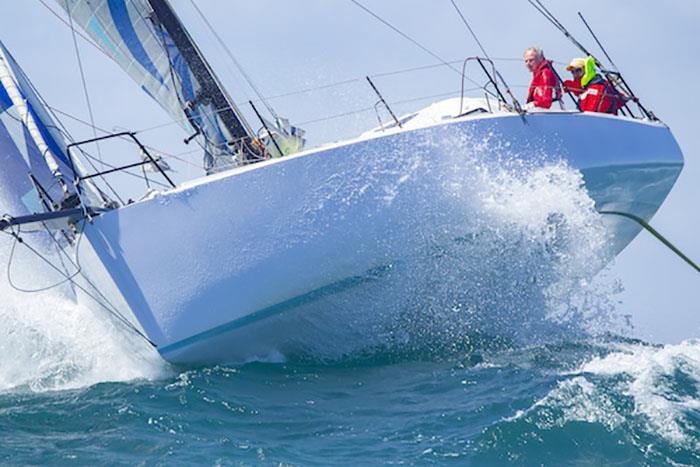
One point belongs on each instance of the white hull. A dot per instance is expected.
(265, 259)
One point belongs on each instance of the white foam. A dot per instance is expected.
(573, 400)
(649, 376)
(49, 342)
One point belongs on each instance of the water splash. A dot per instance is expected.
(643, 397)
(490, 243)
(528, 263)
(50, 342)
(663, 382)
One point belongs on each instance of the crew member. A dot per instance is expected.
(577, 68)
(545, 87)
(598, 94)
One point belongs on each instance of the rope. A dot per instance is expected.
(655, 233)
(82, 74)
(235, 62)
(413, 41)
(113, 311)
(17, 240)
(82, 36)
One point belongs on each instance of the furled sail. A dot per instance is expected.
(36, 171)
(148, 41)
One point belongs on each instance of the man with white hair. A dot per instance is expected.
(545, 87)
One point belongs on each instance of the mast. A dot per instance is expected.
(210, 85)
(150, 43)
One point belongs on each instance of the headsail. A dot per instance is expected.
(148, 41)
(36, 172)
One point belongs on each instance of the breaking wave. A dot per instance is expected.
(632, 403)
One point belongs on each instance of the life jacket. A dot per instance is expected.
(545, 87)
(598, 94)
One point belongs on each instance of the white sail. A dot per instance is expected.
(146, 39)
(32, 147)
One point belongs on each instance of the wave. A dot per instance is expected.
(629, 402)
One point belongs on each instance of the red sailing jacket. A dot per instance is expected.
(600, 96)
(573, 86)
(545, 87)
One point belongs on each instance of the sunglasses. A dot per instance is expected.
(577, 70)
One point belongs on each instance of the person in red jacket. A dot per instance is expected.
(577, 68)
(598, 94)
(545, 87)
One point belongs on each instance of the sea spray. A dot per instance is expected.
(527, 265)
(469, 239)
(50, 342)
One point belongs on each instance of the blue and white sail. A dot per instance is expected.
(147, 40)
(36, 171)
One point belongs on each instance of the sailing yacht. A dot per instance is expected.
(278, 244)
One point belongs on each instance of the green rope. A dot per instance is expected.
(655, 233)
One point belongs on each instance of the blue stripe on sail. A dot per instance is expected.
(56, 149)
(5, 101)
(148, 93)
(180, 66)
(48, 138)
(100, 34)
(122, 20)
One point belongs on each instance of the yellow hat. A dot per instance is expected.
(576, 63)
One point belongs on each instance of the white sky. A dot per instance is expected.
(295, 44)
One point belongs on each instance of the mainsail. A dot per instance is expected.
(148, 41)
(36, 171)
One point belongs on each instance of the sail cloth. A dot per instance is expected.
(30, 143)
(146, 39)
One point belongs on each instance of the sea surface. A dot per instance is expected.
(531, 364)
(583, 403)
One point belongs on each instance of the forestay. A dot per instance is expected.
(148, 41)
(36, 172)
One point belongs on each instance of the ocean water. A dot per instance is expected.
(567, 388)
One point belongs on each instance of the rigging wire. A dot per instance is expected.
(113, 311)
(404, 35)
(415, 42)
(476, 39)
(82, 36)
(235, 62)
(82, 74)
